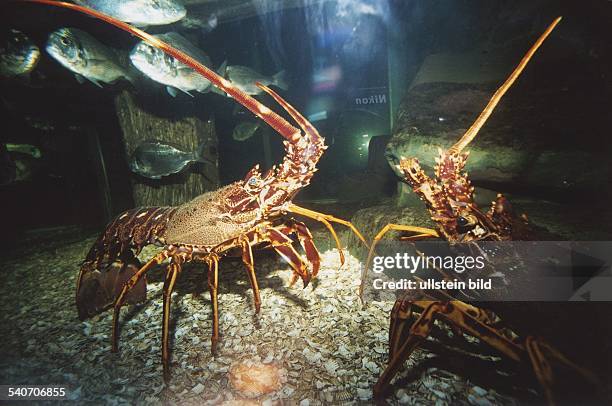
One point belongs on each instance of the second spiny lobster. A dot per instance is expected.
(449, 198)
(244, 214)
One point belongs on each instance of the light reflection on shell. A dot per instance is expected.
(256, 379)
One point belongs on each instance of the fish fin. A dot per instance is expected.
(79, 78)
(280, 80)
(221, 70)
(198, 155)
(131, 75)
(171, 91)
(95, 82)
(216, 90)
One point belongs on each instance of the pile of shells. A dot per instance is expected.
(317, 345)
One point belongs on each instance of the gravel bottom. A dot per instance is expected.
(320, 344)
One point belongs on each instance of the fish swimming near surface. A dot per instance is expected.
(139, 12)
(245, 130)
(18, 54)
(86, 56)
(246, 78)
(164, 69)
(155, 159)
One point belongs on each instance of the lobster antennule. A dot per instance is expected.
(471, 133)
(271, 118)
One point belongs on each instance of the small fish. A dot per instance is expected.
(27, 149)
(85, 56)
(168, 71)
(155, 159)
(246, 78)
(18, 54)
(245, 130)
(139, 12)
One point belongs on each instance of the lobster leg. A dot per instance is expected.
(247, 258)
(535, 349)
(401, 312)
(315, 215)
(417, 334)
(159, 258)
(283, 246)
(422, 232)
(455, 312)
(213, 284)
(172, 272)
(307, 243)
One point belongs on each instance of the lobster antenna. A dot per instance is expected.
(470, 134)
(274, 120)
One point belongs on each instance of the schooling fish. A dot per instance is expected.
(166, 70)
(18, 54)
(246, 78)
(245, 130)
(85, 56)
(155, 159)
(139, 12)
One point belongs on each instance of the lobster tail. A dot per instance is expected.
(112, 261)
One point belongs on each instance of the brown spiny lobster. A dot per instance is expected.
(238, 216)
(449, 197)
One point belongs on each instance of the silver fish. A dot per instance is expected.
(139, 12)
(246, 78)
(245, 130)
(155, 159)
(85, 56)
(166, 70)
(18, 54)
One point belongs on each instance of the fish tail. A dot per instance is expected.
(281, 80)
(130, 76)
(198, 154)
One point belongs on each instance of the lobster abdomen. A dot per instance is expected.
(133, 229)
(111, 261)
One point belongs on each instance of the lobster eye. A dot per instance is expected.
(462, 221)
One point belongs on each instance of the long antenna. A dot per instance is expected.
(470, 134)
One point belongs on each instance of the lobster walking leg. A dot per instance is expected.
(283, 246)
(422, 233)
(247, 258)
(172, 272)
(213, 284)
(159, 258)
(417, 334)
(541, 366)
(315, 215)
(306, 241)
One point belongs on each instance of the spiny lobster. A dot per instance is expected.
(238, 216)
(449, 198)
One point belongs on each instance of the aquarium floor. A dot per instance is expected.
(325, 346)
